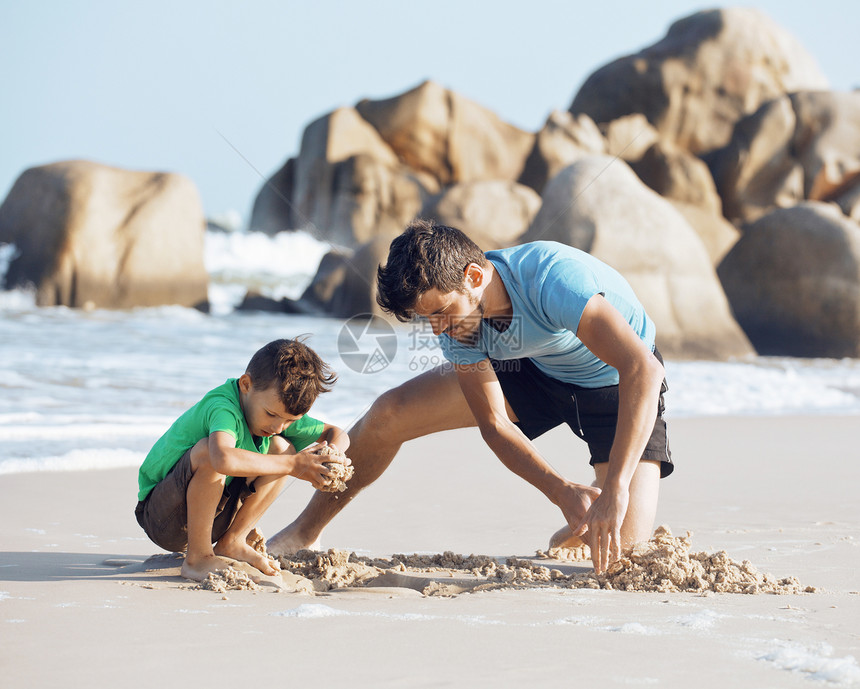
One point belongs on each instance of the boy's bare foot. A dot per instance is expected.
(197, 569)
(288, 542)
(245, 553)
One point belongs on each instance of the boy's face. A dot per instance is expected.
(264, 412)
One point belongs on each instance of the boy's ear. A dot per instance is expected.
(245, 383)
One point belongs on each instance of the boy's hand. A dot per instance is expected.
(339, 465)
(310, 466)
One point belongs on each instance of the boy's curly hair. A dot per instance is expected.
(424, 257)
(297, 372)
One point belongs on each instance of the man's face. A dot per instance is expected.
(264, 412)
(457, 314)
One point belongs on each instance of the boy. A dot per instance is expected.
(220, 466)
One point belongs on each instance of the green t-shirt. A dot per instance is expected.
(219, 410)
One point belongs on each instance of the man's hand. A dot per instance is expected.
(601, 527)
(575, 502)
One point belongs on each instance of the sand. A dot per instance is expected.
(664, 564)
(342, 472)
(771, 499)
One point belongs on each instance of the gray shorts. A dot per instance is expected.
(163, 515)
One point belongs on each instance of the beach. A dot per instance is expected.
(777, 491)
(763, 449)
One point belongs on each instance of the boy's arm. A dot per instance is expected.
(229, 460)
(334, 436)
(607, 334)
(484, 395)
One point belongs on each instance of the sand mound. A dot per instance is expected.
(229, 579)
(663, 564)
(342, 472)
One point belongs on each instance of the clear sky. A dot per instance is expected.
(162, 85)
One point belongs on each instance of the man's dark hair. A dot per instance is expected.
(296, 371)
(424, 257)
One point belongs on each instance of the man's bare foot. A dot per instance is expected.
(197, 569)
(564, 538)
(571, 547)
(288, 542)
(240, 550)
(256, 540)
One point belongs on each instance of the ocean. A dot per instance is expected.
(87, 390)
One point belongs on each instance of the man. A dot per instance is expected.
(536, 335)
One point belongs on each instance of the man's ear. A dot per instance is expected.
(474, 275)
(245, 383)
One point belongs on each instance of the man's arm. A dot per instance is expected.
(484, 395)
(609, 337)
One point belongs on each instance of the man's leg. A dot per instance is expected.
(425, 404)
(638, 523)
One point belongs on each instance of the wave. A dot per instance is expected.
(75, 460)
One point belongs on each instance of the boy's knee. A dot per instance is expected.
(201, 460)
(278, 445)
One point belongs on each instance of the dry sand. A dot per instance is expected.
(77, 574)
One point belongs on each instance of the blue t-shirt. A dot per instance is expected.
(549, 285)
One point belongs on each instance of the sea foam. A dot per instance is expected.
(816, 663)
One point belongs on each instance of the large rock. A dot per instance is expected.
(675, 174)
(710, 69)
(802, 146)
(89, 235)
(849, 201)
(345, 186)
(629, 137)
(329, 140)
(717, 234)
(272, 211)
(345, 283)
(562, 140)
(793, 280)
(369, 198)
(447, 136)
(493, 214)
(600, 206)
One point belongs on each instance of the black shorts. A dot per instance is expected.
(163, 514)
(541, 403)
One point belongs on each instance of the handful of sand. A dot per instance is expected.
(342, 472)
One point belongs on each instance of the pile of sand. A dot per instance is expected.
(342, 472)
(333, 569)
(663, 564)
(229, 579)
